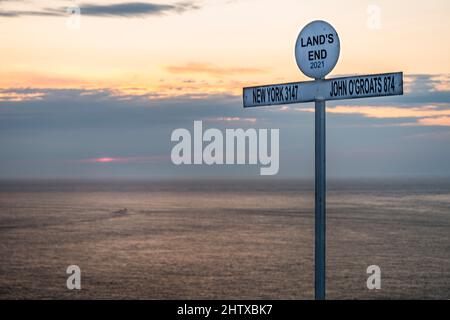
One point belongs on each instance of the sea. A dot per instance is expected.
(222, 238)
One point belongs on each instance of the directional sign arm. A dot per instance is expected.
(277, 94)
(364, 86)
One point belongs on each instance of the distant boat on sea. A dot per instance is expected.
(121, 212)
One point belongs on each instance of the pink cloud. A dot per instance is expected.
(439, 121)
(103, 160)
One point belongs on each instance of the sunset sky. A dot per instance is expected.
(99, 94)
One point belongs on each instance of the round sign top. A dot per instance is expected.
(317, 49)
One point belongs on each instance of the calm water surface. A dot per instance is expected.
(222, 239)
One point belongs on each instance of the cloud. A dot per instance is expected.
(189, 80)
(428, 90)
(419, 83)
(97, 108)
(383, 112)
(211, 69)
(232, 119)
(439, 121)
(126, 9)
(15, 14)
(197, 100)
(134, 9)
(423, 115)
(94, 133)
(20, 95)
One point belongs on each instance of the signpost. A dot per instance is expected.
(317, 52)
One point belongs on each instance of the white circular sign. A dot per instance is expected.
(317, 49)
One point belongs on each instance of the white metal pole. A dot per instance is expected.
(320, 192)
